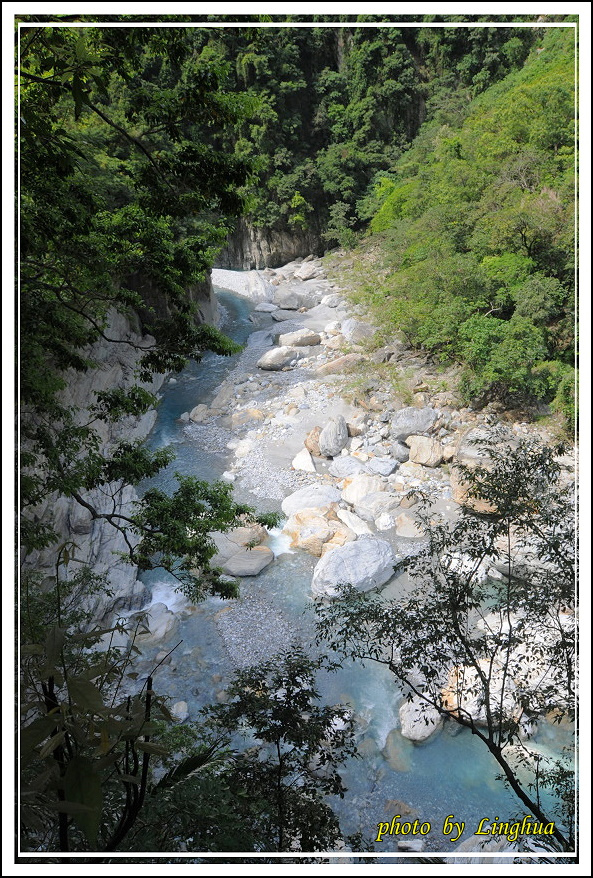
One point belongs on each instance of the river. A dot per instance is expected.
(450, 774)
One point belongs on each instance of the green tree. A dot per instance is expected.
(474, 219)
(270, 796)
(486, 639)
(125, 197)
(299, 746)
(87, 747)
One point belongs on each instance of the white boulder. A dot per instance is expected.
(360, 486)
(300, 338)
(303, 461)
(248, 562)
(161, 622)
(419, 720)
(310, 497)
(354, 522)
(424, 450)
(365, 564)
(279, 358)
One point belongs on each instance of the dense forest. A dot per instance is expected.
(147, 154)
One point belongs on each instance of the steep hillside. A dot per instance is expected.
(476, 228)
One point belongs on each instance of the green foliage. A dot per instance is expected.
(300, 744)
(125, 199)
(174, 533)
(565, 398)
(268, 793)
(339, 227)
(502, 355)
(476, 218)
(486, 635)
(334, 106)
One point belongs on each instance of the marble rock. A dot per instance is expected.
(411, 420)
(300, 338)
(354, 522)
(161, 622)
(310, 497)
(303, 461)
(279, 358)
(179, 711)
(419, 720)
(372, 506)
(345, 467)
(248, 562)
(424, 450)
(333, 437)
(365, 564)
(382, 466)
(360, 486)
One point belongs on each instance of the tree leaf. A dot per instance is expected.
(52, 744)
(82, 787)
(54, 643)
(148, 747)
(85, 694)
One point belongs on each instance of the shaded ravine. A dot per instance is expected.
(451, 774)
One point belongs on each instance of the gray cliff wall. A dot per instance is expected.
(249, 247)
(199, 294)
(97, 542)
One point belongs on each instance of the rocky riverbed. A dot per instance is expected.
(341, 472)
(345, 469)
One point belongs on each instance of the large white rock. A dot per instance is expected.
(229, 543)
(333, 437)
(353, 521)
(332, 300)
(180, 711)
(303, 461)
(382, 466)
(355, 330)
(309, 530)
(162, 623)
(307, 271)
(310, 497)
(364, 564)
(344, 467)
(419, 720)
(199, 413)
(372, 506)
(279, 358)
(300, 338)
(248, 562)
(425, 450)
(360, 486)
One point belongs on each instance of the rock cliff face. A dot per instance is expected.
(199, 294)
(96, 541)
(249, 247)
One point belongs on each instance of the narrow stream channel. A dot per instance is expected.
(451, 774)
